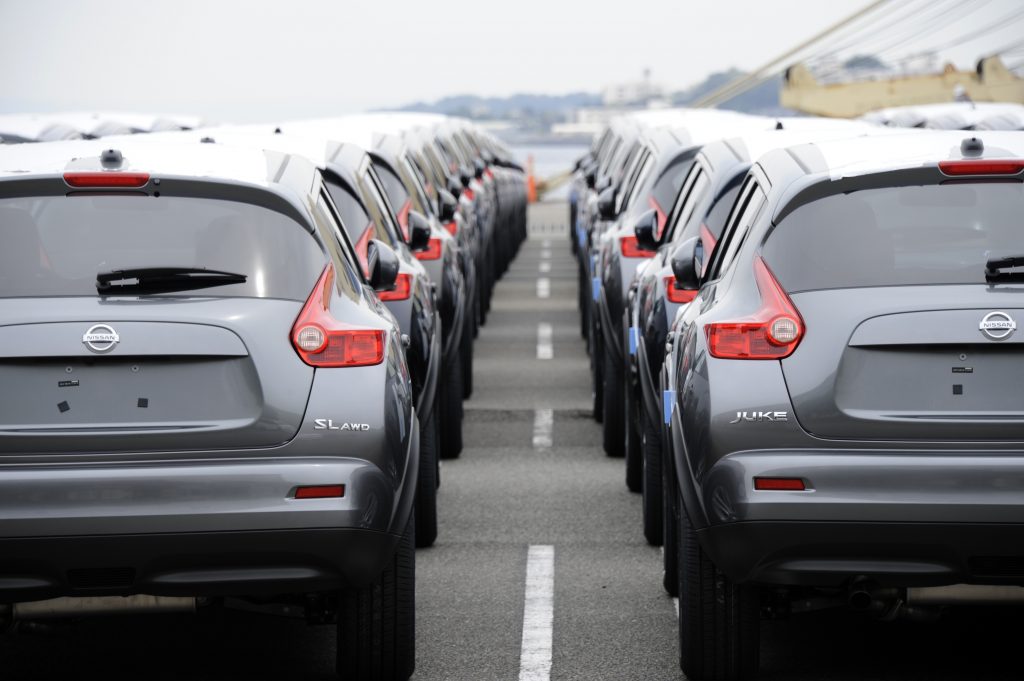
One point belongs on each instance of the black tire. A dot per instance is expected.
(427, 483)
(634, 452)
(614, 407)
(451, 411)
(652, 504)
(670, 515)
(466, 355)
(719, 620)
(377, 623)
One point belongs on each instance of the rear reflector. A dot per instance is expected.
(961, 168)
(431, 252)
(320, 492)
(403, 287)
(106, 180)
(677, 295)
(323, 341)
(631, 248)
(780, 484)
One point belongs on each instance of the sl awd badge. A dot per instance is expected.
(101, 338)
(329, 424)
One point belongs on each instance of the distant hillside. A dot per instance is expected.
(763, 99)
(515, 106)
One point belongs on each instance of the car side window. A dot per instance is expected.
(691, 195)
(383, 206)
(740, 229)
(638, 177)
(338, 246)
(735, 216)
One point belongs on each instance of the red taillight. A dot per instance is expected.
(773, 332)
(780, 484)
(662, 218)
(363, 249)
(677, 295)
(452, 227)
(323, 341)
(106, 180)
(403, 219)
(320, 492)
(403, 287)
(432, 251)
(469, 193)
(960, 168)
(631, 248)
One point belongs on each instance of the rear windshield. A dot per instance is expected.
(898, 236)
(56, 245)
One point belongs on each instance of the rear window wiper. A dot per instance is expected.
(163, 280)
(995, 269)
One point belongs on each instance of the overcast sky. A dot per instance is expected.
(235, 60)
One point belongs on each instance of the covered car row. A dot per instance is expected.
(803, 340)
(233, 357)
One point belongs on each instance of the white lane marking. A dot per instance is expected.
(538, 614)
(546, 243)
(545, 267)
(544, 348)
(675, 602)
(543, 424)
(545, 255)
(543, 287)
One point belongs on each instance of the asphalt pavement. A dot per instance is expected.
(537, 533)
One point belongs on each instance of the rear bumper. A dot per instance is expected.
(249, 563)
(907, 519)
(830, 554)
(197, 527)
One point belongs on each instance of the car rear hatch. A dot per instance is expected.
(904, 339)
(207, 364)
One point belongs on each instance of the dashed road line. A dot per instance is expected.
(543, 424)
(544, 348)
(538, 614)
(543, 287)
(545, 266)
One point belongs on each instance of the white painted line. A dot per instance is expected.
(545, 255)
(538, 614)
(546, 243)
(675, 602)
(543, 424)
(544, 348)
(543, 287)
(545, 267)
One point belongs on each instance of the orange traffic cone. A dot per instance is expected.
(531, 181)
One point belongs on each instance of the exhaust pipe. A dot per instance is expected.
(91, 606)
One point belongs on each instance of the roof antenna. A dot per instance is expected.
(277, 131)
(778, 125)
(207, 140)
(972, 147)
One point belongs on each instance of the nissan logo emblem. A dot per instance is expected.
(998, 325)
(101, 338)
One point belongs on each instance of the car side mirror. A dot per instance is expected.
(478, 169)
(383, 265)
(646, 231)
(454, 187)
(465, 176)
(602, 184)
(591, 177)
(688, 263)
(419, 231)
(447, 204)
(606, 204)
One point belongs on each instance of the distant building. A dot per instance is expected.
(639, 93)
